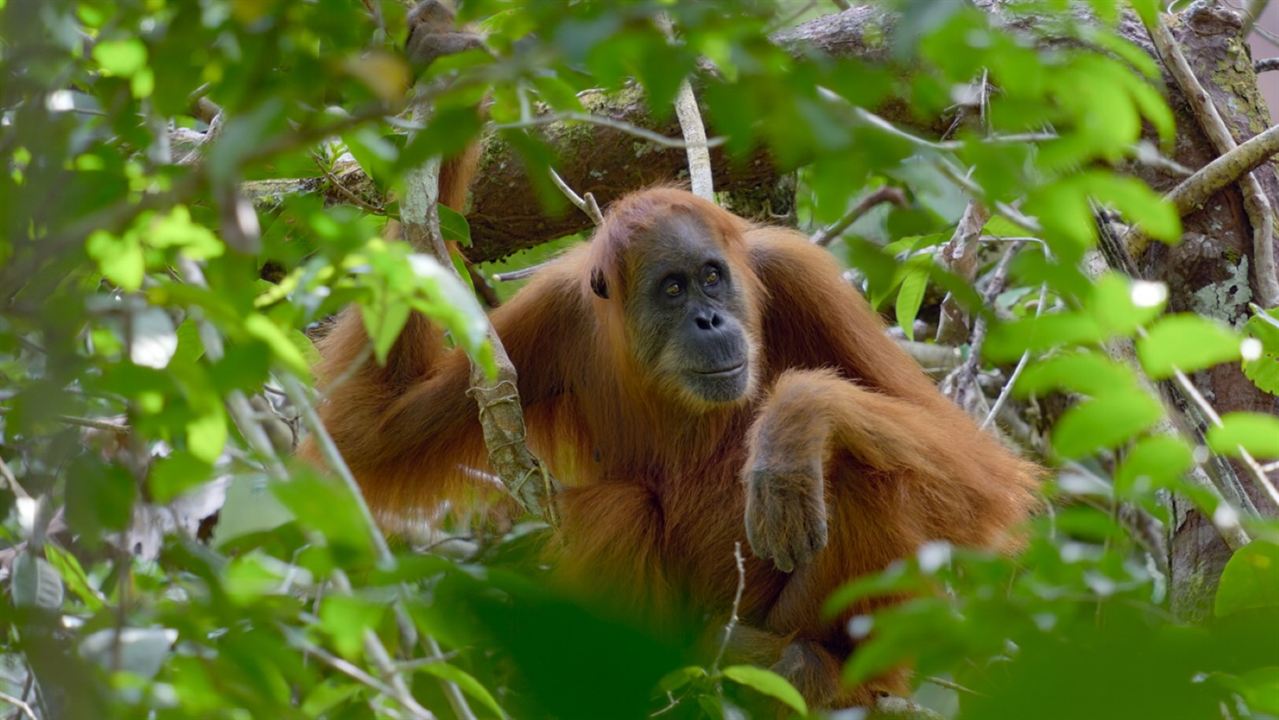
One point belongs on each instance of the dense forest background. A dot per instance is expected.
(1065, 210)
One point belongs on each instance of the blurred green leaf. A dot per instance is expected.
(467, 683)
(73, 576)
(1185, 342)
(1250, 579)
(1255, 432)
(768, 683)
(261, 327)
(35, 583)
(120, 57)
(346, 619)
(119, 259)
(1104, 422)
(911, 295)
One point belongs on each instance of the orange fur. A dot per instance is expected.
(656, 487)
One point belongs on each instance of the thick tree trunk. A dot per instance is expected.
(506, 216)
(1212, 271)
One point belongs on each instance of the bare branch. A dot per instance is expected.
(1254, 468)
(1256, 204)
(22, 706)
(699, 156)
(885, 194)
(737, 602)
(621, 125)
(1191, 194)
(1266, 65)
(501, 413)
(584, 203)
(1251, 14)
(1021, 365)
(959, 256)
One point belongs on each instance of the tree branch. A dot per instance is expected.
(885, 194)
(1256, 204)
(501, 413)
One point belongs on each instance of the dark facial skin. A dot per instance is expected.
(684, 309)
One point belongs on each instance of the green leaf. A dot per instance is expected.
(768, 683)
(1263, 368)
(1134, 198)
(174, 474)
(1153, 463)
(327, 696)
(1250, 579)
(1121, 305)
(176, 230)
(1255, 432)
(467, 683)
(1260, 688)
(35, 583)
(897, 580)
(1008, 340)
(447, 300)
(383, 323)
(207, 433)
(120, 260)
(911, 296)
(73, 576)
(120, 57)
(260, 326)
(250, 507)
(1085, 372)
(321, 503)
(1104, 422)
(1186, 342)
(677, 679)
(453, 226)
(1147, 10)
(345, 618)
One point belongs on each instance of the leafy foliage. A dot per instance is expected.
(125, 378)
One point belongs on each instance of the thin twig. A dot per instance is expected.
(737, 602)
(1266, 65)
(620, 125)
(699, 156)
(965, 375)
(87, 422)
(701, 179)
(586, 203)
(299, 642)
(1021, 365)
(1254, 468)
(1256, 204)
(7, 473)
(951, 685)
(1190, 194)
(890, 194)
(1251, 14)
(521, 273)
(20, 704)
(329, 450)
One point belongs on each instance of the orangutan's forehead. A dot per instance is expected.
(678, 232)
